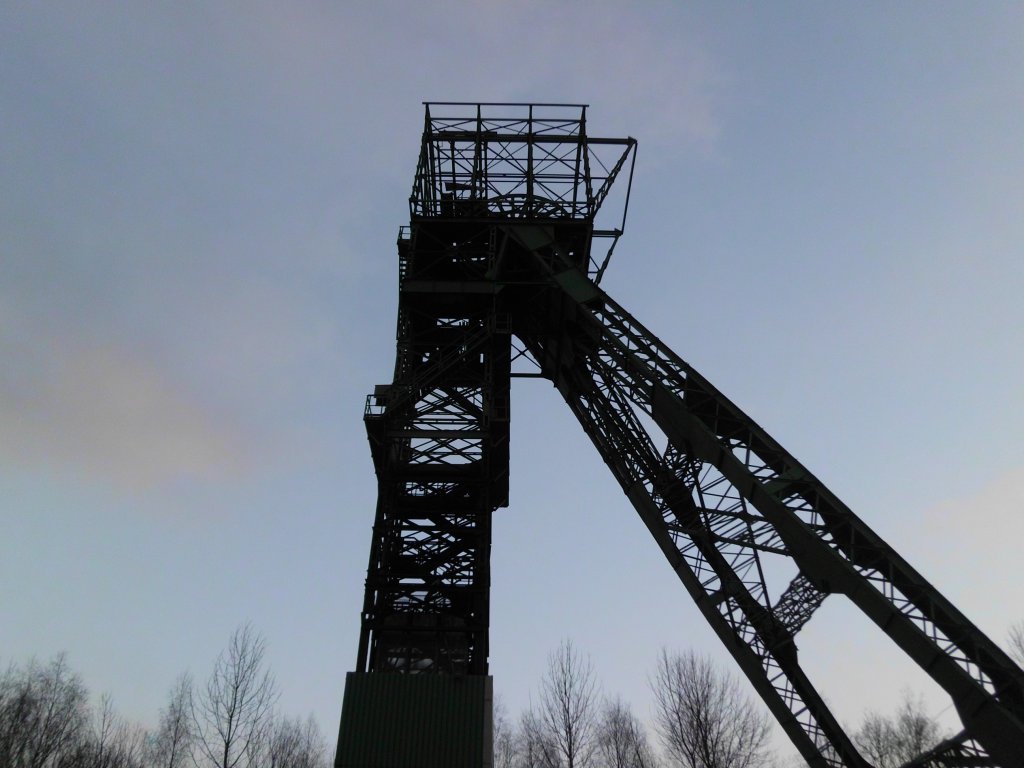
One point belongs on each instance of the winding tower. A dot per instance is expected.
(501, 262)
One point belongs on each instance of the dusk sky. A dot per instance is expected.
(198, 288)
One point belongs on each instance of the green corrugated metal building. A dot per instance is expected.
(416, 721)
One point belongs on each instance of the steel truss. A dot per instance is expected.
(957, 752)
(439, 431)
(503, 220)
(439, 440)
(719, 494)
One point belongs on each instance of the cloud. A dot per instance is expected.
(87, 406)
(200, 199)
(973, 543)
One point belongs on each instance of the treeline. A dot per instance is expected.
(230, 720)
(701, 718)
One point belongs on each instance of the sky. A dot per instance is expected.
(198, 287)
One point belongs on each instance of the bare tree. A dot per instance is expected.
(284, 744)
(99, 750)
(504, 737)
(621, 739)
(43, 714)
(703, 718)
(128, 748)
(111, 743)
(294, 743)
(171, 745)
(232, 713)
(46, 722)
(568, 706)
(1017, 642)
(888, 742)
(535, 747)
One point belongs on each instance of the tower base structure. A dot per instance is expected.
(416, 721)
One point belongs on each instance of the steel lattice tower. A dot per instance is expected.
(500, 262)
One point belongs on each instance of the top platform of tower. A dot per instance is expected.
(519, 161)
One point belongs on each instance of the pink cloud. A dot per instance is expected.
(95, 408)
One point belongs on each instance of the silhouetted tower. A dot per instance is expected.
(498, 263)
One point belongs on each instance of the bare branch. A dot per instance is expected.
(568, 705)
(504, 737)
(703, 718)
(232, 714)
(889, 742)
(43, 714)
(536, 747)
(295, 744)
(1017, 642)
(621, 739)
(172, 743)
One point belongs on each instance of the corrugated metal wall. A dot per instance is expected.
(416, 721)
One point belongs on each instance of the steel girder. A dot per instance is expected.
(721, 495)
(961, 751)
